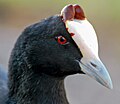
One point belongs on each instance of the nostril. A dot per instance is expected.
(94, 65)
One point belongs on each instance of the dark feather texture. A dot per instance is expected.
(39, 64)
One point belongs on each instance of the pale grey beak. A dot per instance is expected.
(95, 69)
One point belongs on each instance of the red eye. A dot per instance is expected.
(61, 40)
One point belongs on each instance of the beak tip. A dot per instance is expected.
(110, 85)
(107, 83)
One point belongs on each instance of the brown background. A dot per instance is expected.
(15, 15)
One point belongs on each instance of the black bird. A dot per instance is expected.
(46, 53)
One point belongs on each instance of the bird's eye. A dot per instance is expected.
(61, 40)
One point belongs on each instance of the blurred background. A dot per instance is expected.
(15, 15)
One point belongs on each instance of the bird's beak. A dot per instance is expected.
(96, 70)
(83, 34)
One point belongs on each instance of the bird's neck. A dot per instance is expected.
(51, 91)
(45, 90)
